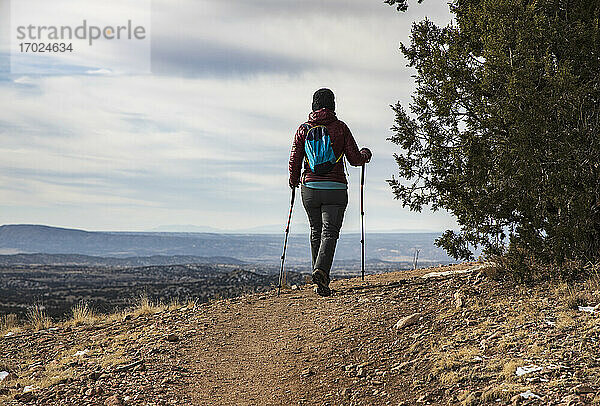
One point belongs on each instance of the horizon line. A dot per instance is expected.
(216, 230)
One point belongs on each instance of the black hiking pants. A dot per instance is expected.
(325, 209)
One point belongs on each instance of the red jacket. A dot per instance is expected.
(342, 141)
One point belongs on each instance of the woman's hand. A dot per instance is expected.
(366, 152)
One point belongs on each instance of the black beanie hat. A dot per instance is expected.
(323, 98)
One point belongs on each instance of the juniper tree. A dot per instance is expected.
(502, 129)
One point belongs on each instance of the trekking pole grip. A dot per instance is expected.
(362, 175)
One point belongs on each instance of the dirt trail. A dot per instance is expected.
(398, 338)
(292, 349)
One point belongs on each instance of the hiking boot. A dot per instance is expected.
(321, 279)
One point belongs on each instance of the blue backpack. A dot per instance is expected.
(319, 150)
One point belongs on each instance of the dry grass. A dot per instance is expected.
(177, 304)
(37, 318)
(509, 369)
(449, 378)
(536, 349)
(573, 297)
(8, 323)
(53, 374)
(593, 283)
(145, 306)
(454, 366)
(105, 351)
(43, 377)
(114, 317)
(174, 304)
(565, 320)
(117, 356)
(468, 399)
(453, 360)
(81, 314)
(504, 392)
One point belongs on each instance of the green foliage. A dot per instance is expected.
(502, 130)
(401, 5)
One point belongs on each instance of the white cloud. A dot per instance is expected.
(24, 80)
(141, 151)
(99, 72)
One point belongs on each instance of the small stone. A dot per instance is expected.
(336, 328)
(401, 365)
(583, 388)
(294, 287)
(25, 396)
(65, 380)
(377, 383)
(407, 321)
(458, 300)
(307, 372)
(6, 376)
(172, 338)
(114, 400)
(528, 394)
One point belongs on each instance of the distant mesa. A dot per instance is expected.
(251, 247)
(187, 228)
(190, 228)
(29, 239)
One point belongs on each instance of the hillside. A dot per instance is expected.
(87, 260)
(107, 289)
(423, 337)
(253, 248)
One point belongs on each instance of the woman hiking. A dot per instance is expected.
(320, 145)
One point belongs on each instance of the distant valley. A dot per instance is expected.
(58, 268)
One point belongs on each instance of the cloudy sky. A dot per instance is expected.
(204, 139)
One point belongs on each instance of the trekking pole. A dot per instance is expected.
(362, 221)
(287, 232)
